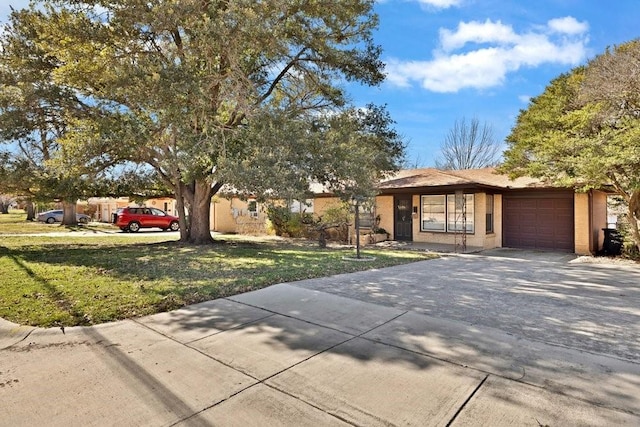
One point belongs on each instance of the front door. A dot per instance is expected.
(403, 221)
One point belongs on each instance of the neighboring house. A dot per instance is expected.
(107, 206)
(228, 215)
(167, 204)
(481, 209)
(231, 214)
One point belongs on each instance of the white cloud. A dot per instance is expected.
(568, 25)
(440, 4)
(476, 32)
(478, 69)
(481, 54)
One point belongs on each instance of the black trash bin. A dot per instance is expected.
(612, 245)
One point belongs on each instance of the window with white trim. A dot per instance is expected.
(460, 213)
(433, 213)
(299, 206)
(252, 208)
(443, 213)
(489, 214)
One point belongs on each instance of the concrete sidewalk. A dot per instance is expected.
(294, 355)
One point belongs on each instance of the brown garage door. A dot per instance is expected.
(538, 221)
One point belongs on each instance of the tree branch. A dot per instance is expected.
(280, 76)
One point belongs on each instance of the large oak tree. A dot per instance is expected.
(189, 77)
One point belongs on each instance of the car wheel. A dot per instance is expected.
(51, 220)
(174, 226)
(134, 227)
(83, 221)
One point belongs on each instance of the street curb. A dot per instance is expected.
(12, 333)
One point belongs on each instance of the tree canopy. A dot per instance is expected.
(196, 88)
(34, 115)
(347, 152)
(41, 117)
(584, 129)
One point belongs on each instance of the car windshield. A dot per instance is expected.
(157, 212)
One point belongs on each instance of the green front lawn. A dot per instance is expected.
(65, 281)
(15, 222)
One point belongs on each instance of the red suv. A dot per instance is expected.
(133, 219)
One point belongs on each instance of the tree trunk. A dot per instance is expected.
(69, 213)
(634, 216)
(4, 208)
(31, 211)
(182, 214)
(199, 230)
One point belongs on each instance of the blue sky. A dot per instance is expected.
(448, 59)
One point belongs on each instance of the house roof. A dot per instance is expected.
(429, 177)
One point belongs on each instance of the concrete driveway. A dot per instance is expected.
(499, 338)
(585, 303)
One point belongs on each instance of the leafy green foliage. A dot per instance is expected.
(289, 224)
(178, 84)
(346, 153)
(336, 220)
(584, 130)
(41, 118)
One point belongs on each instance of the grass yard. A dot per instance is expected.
(15, 223)
(83, 280)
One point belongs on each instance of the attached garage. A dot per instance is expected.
(521, 213)
(539, 220)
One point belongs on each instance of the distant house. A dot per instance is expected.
(482, 209)
(107, 206)
(227, 215)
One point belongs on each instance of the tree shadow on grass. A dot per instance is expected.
(138, 279)
(54, 295)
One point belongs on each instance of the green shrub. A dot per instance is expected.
(290, 224)
(630, 250)
(336, 219)
(380, 230)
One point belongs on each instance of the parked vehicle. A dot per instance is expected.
(133, 219)
(56, 216)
